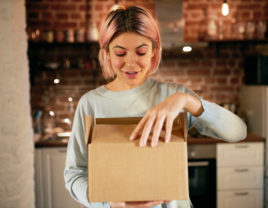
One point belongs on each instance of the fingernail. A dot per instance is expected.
(141, 144)
(131, 137)
(167, 140)
(153, 144)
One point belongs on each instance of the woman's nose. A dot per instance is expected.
(130, 59)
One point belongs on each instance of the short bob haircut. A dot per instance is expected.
(130, 19)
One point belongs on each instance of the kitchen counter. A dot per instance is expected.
(190, 141)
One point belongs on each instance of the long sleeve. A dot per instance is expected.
(75, 172)
(219, 123)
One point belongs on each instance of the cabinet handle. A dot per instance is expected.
(241, 193)
(63, 150)
(241, 146)
(241, 170)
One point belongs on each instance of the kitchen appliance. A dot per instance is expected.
(254, 108)
(202, 175)
(171, 25)
(256, 70)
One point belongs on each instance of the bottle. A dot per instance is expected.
(212, 27)
(202, 31)
(92, 32)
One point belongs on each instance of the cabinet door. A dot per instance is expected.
(240, 199)
(240, 177)
(240, 154)
(55, 193)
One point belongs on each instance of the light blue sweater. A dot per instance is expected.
(215, 121)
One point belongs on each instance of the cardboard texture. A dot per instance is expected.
(120, 170)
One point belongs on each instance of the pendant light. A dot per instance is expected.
(225, 8)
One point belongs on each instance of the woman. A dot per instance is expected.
(130, 52)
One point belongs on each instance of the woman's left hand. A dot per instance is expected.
(166, 111)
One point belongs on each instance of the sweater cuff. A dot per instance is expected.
(211, 113)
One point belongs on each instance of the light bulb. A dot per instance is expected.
(225, 9)
(52, 113)
(186, 48)
(56, 81)
(70, 99)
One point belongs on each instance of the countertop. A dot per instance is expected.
(190, 141)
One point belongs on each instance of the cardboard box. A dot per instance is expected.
(120, 170)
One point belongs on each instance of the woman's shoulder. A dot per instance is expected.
(170, 86)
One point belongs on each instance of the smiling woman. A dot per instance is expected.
(130, 53)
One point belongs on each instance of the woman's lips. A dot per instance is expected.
(131, 74)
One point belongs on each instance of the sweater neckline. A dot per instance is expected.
(125, 93)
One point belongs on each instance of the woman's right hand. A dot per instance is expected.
(140, 204)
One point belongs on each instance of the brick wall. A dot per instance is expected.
(217, 77)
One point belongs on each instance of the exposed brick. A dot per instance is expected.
(99, 7)
(47, 15)
(195, 64)
(182, 81)
(209, 80)
(222, 72)
(76, 0)
(169, 63)
(37, 6)
(248, 6)
(196, 6)
(65, 24)
(221, 63)
(245, 14)
(39, 24)
(64, 7)
(222, 80)
(222, 88)
(234, 80)
(76, 82)
(221, 97)
(195, 80)
(75, 16)
(198, 72)
(85, 8)
(171, 73)
(207, 63)
(62, 16)
(33, 15)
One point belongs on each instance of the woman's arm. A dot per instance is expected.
(209, 119)
(75, 172)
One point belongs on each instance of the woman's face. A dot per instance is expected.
(130, 55)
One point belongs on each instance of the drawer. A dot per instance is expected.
(240, 154)
(240, 177)
(240, 199)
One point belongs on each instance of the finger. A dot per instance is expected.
(158, 127)
(169, 124)
(139, 127)
(143, 204)
(147, 130)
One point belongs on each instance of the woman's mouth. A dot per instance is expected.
(131, 74)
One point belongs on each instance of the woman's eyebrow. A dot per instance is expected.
(117, 46)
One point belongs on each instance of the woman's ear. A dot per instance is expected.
(108, 55)
(153, 53)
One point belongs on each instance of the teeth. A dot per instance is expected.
(131, 72)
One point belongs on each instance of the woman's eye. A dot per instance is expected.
(141, 54)
(120, 54)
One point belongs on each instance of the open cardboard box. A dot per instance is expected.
(120, 170)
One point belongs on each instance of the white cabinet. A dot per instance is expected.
(237, 198)
(49, 179)
(240, 175)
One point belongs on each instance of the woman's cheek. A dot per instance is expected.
(118, 63)
(144, 63)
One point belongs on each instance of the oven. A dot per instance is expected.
(202, 175)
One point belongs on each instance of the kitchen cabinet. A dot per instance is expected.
(240, 175)
(49, 180)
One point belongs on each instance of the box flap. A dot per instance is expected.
(89, 122)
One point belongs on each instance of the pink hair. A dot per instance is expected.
(130, 19)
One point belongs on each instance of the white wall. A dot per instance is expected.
(16, 143)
